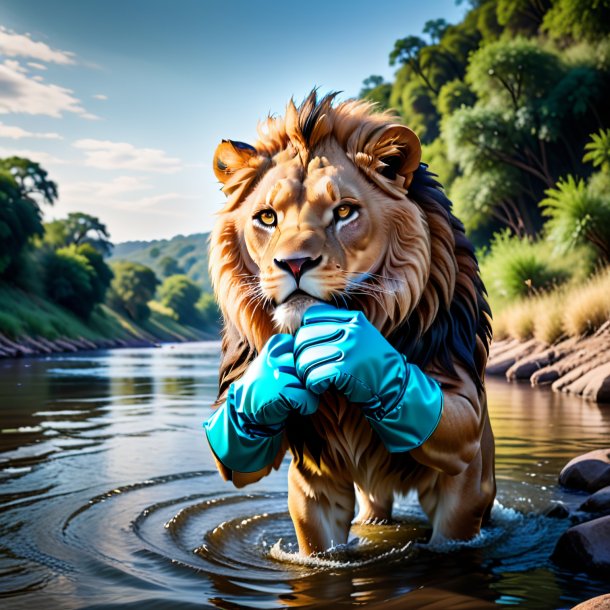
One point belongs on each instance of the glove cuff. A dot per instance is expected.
(241, 446)
(414, 417)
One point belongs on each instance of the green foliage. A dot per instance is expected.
(454, 95)
(511, 72)
(133, 286)
(577, 20)
(435, 155)
(78, 228)
(22, 184)
(181, 294)
(514, 267)
(577, 215)
(69, 280)
(599, 150)
(180, 248)
(169, 266)
(209, 312)
(102, 272)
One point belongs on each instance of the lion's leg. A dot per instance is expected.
(458, 505)
(377, 506)
(321, 508)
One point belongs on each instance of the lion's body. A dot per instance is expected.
(401, 258)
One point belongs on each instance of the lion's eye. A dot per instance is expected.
(344, 211)
(267, 218)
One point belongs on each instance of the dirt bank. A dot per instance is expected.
(578, 366)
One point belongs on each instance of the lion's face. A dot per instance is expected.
(320, 213)
(315, 233)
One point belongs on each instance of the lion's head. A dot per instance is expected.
(332, 204)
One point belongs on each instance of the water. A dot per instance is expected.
(109, 499)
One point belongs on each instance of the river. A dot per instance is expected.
(109, 499)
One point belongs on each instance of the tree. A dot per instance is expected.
(133, 286)
(79, 228)
(435, 28)
(525, 126)
(181, 294)
(574, 20)
(69, 280)
(168, 266)
(102, 276)
(23, 184)
(208, 310)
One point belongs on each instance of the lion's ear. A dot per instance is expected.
(389, 156)
(231, 156)
(399, 150)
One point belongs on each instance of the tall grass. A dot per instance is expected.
(573, 310)
(513, 268)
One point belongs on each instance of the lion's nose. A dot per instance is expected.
(298, 266)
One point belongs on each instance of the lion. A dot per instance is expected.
(341, 190)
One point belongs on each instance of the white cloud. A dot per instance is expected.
(115, 194)
(105, 154)
(20, 93)
(44, 158)
(105, 190)
(100, 96)
(16, 133)
(36, 66)
(22, 45)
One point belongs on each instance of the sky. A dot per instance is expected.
(123, 102)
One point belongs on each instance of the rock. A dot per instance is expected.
(526, 367)
(557, 510)
(588, 472)
(593, 385)
(596, 603)
(585, 547)
(498, 365)
(598, 503)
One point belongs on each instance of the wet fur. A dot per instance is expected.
(427, 299)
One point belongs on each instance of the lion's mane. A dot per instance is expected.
(448, 323)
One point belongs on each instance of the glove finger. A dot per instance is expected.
(316, 334)
(278, 345)
(321, 378)
(315, 356)
(326, 313)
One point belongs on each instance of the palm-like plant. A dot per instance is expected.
(577, 215)
(599, 150)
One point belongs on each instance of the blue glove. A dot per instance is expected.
(245, 433)
(341, 348)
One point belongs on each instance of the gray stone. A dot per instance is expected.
(598, 503)
(585, 547)
(588, 472)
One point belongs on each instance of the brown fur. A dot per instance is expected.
(422, 292)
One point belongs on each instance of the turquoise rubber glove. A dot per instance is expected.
(245, 433)
(341, 348)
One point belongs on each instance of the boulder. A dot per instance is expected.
(585, 547)
(588, 472)
(526, 367)
(596, 603)
(593, 385)
(498, 365)
(598, 503)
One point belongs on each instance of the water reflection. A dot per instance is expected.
(109, 497)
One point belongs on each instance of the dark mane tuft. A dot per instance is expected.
(454, 331)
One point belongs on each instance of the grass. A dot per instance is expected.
(574, 310)
(24, 314)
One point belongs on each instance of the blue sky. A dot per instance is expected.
(124, 101)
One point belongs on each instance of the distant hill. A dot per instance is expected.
(190, 253)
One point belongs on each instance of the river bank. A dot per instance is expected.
(31, 325)
(577, 365)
